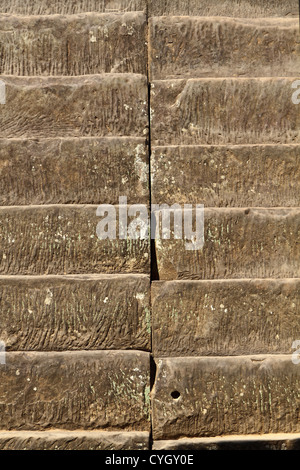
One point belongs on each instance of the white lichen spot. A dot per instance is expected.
(48, 298)
(17, 372)
(92, 37)
(105, 300)
(140, 296)
(204, 412)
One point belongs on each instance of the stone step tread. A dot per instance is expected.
(58, 313)
(225, 317)
(189, 47)
(238, 243)
(46, 7)
(235, 8)
(74, 171)
(209, 397)
(74, 440)
(73, 45)
(224, 111)
(63, 239)
(87, 106)
(87, 390)
(233, 176)
(248, 442)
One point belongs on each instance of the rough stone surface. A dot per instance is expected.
(187, 47)
(224, 111)
(63, 240)
(88, 390)
(73, 440)
(60, 313)
(73, 45)
(238, 243)
(224, 396)
(80, 171)
(227, 176)
(211, 318)
(94, 105)
(266, 442)
(69, 7)
(236, 8)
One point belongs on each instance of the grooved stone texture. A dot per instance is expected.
(73, 45)
(73, 440)
(75, 312)
(64, 240)
(210, 318)
(78, 171)
(238, 243)
(75, 390)
(224, 396)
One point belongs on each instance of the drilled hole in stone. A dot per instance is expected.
(175, 395)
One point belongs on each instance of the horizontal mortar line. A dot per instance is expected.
(37, 139)
(87, 352)
(294, 77)
(95, 206)
(223, 145)
(224, 281)
(74, 277)
(255, 357)
(40, 78)
(243, 18)
(72, 15)
(229, 437)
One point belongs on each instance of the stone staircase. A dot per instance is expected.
(82, 322)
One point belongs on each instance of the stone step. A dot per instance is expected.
(73, 440)
(236, 8)
(255, 442)
(67, 7)
(63, 239)
(73, 45)
(78, 171)
(85, 106)
(206, 397)
(57, 313)
(224, 111)
(92, 390)
(226, 176)
(238, 243)
(225, 318)
(192, 47)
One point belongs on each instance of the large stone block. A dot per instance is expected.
(64, 240)
(69, 7)
(94, 105)
(236, 8)
(203, 397)
(220, 318)
(73, 440)
(80, 171)
(222, 176)
(95, 390)
(238, 243)
(73, 45)
(187, 47)
(224, 111)
(57, 313)
(258, 442)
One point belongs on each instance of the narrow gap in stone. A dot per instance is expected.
(153, 262)
(153, 371)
